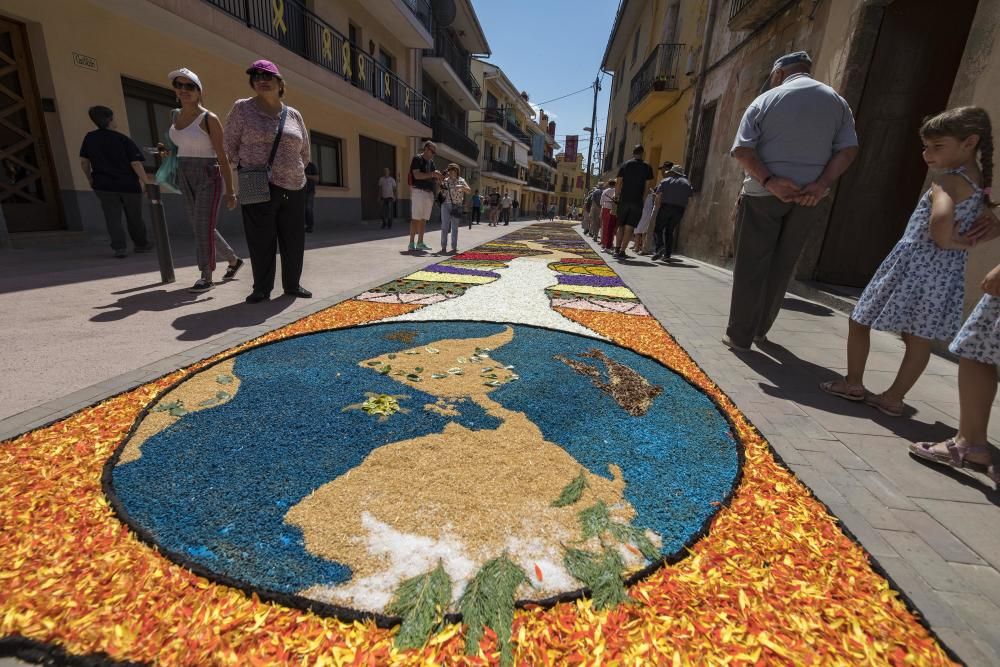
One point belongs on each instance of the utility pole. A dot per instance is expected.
(593, 122)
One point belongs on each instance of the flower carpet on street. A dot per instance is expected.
(501, 458)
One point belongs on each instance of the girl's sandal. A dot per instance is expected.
(879, 402)
(841, 389)
(955, 455)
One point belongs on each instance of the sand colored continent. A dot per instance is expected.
(194, 394)
(465, 495)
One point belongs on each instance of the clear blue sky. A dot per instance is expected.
(550, 48)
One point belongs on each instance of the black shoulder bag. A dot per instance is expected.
(255, 182)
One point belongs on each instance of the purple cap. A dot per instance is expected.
(264, 66)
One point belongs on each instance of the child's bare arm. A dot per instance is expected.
(942, 227)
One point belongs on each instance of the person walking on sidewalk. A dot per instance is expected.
(312, 179)
(514, 207)
(538, 210)
(919, 288)
(113, 165)
(477, 209)
(505, 205)
(609, 221)
(672, 195)
(424, 182)
(261, 131)
(632, 179)
(644, 223)
(592, 212)
(494, 212)
(978, 348)
(794, 142)
(202, 171)
(455, 188)
(387, 193)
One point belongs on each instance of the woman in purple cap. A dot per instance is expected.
(262, 131)
(202, 170)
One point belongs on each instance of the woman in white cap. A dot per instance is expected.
(202, 170)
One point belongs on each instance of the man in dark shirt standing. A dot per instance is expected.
(113, 165)
(424, 179)
(632, 179)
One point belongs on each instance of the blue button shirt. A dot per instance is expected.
(795, 128)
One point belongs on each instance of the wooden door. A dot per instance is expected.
(28, 192)
(919, 48)
(375, 156)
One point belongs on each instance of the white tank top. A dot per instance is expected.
(193, 140)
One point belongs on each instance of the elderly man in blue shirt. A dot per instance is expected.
(794, 142)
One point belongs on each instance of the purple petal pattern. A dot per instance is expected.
(591, 281)
(445, 268)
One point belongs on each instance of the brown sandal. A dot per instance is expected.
(842, 389)
(956, 457)
(879, 402)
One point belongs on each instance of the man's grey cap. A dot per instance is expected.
(799, 57)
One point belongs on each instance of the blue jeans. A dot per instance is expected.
(450, 223)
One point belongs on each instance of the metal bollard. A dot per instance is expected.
(160, 236)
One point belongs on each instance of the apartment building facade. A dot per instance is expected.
(354, 68)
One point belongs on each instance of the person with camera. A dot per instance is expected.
(454, 188)
(424, 181)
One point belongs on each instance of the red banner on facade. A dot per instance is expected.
(579, 182)
(571, 147)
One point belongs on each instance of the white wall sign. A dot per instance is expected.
(85, 62)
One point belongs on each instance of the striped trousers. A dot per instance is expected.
(201, 185)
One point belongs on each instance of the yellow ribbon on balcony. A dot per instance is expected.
(347, 59)
(406, 102)
(278, 15)
(361, 67)
(388, 85)
(425, 110)
(327, 44)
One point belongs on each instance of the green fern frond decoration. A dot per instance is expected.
(626, 533)
(421, 602)
(602, 573)
(572, 492)
(595, 520)
(488, 601)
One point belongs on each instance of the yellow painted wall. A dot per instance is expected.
(122, 47)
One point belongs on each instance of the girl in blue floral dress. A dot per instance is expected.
(978, 348)
(919, 288)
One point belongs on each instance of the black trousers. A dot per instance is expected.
(667, 220)
(273, 225)
(476, 215)
(113, 204)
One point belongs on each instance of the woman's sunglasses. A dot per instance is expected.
(262, 76)
(190, 87)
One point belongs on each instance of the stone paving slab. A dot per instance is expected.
(936, 533)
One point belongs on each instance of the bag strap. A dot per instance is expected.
(277, 135)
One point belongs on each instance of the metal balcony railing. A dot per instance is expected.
(459, 59)
(422, 10)
(454, 136)
(551, 161)
(504, 168)
(659, 72)
(307, 35)
(505, 119)
(537, 182)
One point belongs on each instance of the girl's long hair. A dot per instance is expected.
(961, 123)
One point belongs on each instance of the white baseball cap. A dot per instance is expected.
(187, 74)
